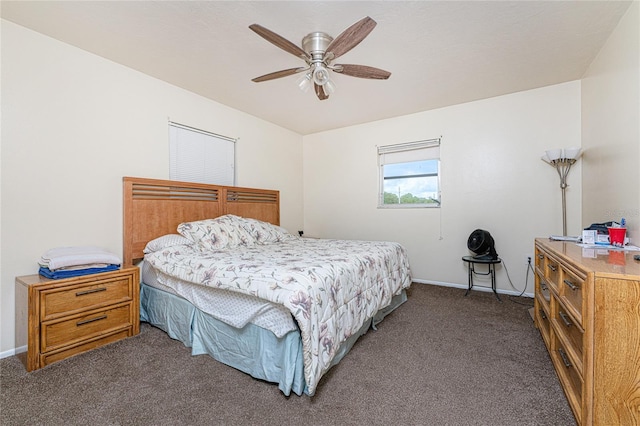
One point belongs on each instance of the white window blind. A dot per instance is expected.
(410, 151)
(199, 156)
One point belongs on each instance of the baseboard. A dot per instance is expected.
(12, 352)
(475, 288)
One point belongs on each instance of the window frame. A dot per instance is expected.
(405, 153)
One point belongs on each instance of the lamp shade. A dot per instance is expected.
(571, 153)
(545, 158)
(554, 154)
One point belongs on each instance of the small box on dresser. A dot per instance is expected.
(588, 313)
(57, 319)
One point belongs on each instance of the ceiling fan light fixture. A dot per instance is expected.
(329, 87)
(320, 75)
(304, 82)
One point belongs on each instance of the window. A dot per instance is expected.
(410, 174)
(200, 156)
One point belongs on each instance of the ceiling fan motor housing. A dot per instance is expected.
(316, 43)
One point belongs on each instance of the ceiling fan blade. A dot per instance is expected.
(277, 74)
(278, 40)
(320, 92)
(362, 71)
(351, 37)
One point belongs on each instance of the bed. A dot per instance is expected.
(220, 275)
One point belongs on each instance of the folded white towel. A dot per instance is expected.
(62, 257)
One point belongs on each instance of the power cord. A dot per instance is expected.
(526, 283)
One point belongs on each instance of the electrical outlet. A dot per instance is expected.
(528, 259)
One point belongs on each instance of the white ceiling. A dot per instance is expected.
(440, 53)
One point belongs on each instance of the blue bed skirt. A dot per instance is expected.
(251, 349)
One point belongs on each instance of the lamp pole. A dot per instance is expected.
(563, 165)
(562, 160)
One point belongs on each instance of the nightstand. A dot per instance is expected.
(57, 319)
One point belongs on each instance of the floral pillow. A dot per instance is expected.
(165, 241)
(265, 232)
(216, 234)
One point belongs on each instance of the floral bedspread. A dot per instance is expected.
(330, 286)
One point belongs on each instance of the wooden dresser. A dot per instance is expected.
(587, 308)
(56, 319)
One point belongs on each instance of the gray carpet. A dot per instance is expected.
(440, 359)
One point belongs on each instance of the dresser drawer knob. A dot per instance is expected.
(553, 268)
(542, 314)
(87, 321)
(93, 290)
(571, 285)
(565, 319)
(564, 357)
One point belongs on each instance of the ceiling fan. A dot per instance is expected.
(319, 50)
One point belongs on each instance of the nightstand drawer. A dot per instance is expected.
(55, 303)
(66, 352)
(83, 327)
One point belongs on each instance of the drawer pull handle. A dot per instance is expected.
(553, 268)
(542, 314)
(571, 285)
(564, 357)
(93, 290)
(565, 319)
(543, 286)
(87, 321)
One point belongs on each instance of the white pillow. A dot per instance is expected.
(215, 234)
(265, 232)
(165, 241)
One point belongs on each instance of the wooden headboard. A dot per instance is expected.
(153, 208)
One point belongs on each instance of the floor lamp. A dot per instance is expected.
(562, 160)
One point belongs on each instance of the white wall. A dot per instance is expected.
(611, 129)
(492, 178)
(73, 124)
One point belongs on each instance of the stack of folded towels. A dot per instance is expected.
(65, 262)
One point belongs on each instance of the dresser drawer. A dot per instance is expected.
(570, 333)
(56, 303)
(552, 272)
(544, 292)
(83, 327)
(539, 260)
(571, 293)
(543, 321)
(569, 377)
